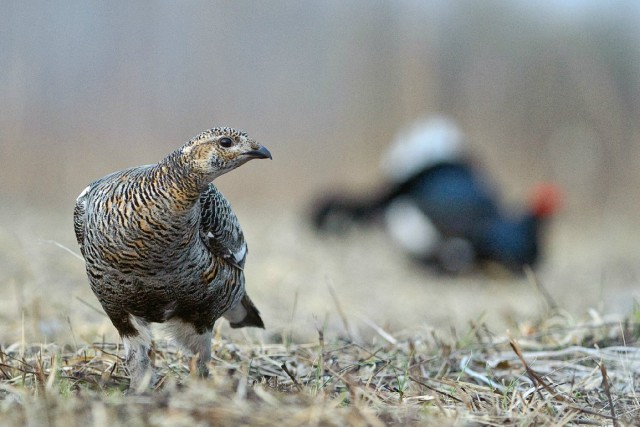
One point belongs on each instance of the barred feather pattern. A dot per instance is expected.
(162, 244)
(223, 233)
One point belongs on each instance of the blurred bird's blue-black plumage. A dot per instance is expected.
(510, 241)
(454, 198)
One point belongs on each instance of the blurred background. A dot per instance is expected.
(546, 90)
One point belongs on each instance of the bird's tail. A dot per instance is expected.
(246, 314)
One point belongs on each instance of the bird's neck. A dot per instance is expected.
(178, 183)
(531, 223)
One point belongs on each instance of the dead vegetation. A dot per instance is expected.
(328, 357)
(555, 372)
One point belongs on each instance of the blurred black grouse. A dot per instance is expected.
(438, 207)
(163, 245)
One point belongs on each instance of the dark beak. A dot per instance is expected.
(260, 153)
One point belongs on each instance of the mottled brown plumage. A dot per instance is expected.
(162, 245)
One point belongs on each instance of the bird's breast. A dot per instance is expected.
(126, 229)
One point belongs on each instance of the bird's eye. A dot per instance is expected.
(226, 142)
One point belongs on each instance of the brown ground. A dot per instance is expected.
(399, 344)
(291, 272)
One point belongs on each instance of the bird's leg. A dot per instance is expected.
(198, 343)
(137, 362)
(202, 350)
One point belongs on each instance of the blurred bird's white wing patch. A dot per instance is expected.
(425, 144)
(410, 228)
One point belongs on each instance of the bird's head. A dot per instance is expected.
(219, 150)
(546, 200)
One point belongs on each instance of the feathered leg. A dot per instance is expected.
(198, 343)
(137, 347)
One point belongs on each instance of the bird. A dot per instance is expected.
(162, 245)
(439, 207)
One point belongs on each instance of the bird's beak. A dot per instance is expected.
(260, 153)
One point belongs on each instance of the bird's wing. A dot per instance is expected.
(220, 228)
(79, 216)
(82, 202)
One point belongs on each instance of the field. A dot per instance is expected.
(356, 335)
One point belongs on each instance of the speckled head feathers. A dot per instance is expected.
(220, 150)
(210, 134)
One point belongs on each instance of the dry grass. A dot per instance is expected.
(348, 342)
(557, 372)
